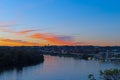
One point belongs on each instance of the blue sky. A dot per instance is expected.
(94, 22)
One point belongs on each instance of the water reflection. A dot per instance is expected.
(16, 73)
(58, 68)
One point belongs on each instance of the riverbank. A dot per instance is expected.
(18, 57)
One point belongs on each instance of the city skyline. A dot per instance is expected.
(59, 22)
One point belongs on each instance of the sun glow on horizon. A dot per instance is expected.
(59, 22)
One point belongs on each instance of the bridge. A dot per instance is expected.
(113, 59)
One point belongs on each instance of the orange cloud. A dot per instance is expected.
(55, 40)
(47, 39)
(9, 42)
(38, 35)
(52, 39)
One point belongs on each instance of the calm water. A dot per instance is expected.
(58, 68)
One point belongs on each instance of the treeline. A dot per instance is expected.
(108, 74)
(19, 57)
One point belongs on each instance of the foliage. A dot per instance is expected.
(108, 74)
(91, 77)
(19, 57)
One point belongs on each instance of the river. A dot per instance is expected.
(58, 68)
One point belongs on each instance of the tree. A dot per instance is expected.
(91, 77)
(108, 74)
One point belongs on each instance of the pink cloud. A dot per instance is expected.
(17, 33)
(6, 24)
(25, 31)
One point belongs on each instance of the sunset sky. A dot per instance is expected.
(59, 22)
